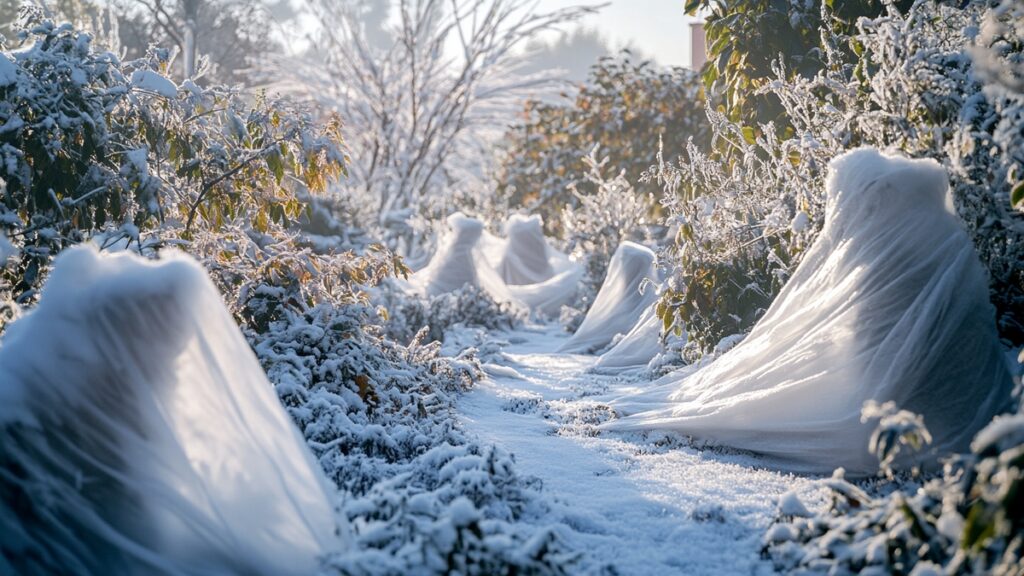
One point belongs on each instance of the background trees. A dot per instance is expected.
(423, 103)
(625, 107)
(232, 34)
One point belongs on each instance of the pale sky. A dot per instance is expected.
(659, 28)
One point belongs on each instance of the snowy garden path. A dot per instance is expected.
(643, 505)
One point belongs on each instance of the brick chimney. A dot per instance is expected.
(698, 47)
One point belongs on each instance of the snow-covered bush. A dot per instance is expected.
(263, 277)
(93, 147)
(358, 396)
(747, 37)
(461, 509)
(968, 521)
(896, 430)
(421, 494)
(746, 210)
(623, 108)
(469, 306)
(741, 218)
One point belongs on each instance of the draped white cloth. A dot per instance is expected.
(637, 348)
(526, 256)
(623, 298)
(540, 277)
(522, 269)
(139, 435)
(889, 304)
(460, 260)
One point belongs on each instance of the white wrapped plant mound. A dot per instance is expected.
(620, 303)
(539, 277)
(522, 269)
(526, 255)
(455, 263)
(460, 260)
(138, 433)
(638, 347)
(889, 304)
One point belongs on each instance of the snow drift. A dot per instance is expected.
(620, 302)
(889, 304)
(138, 433)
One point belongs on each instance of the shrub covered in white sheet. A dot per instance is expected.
(612, 211)
(746, 211)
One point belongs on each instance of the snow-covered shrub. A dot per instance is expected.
(896, 429)
(746, 37)
(968, 521)
(357, 395)
(91, 145)
(624, 107)
(461, 510)
(742, 216)
(997, 60)
(747, 210)
(469, 306)
(421, 494)
(261, 276)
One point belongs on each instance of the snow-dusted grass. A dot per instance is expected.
(638, 504)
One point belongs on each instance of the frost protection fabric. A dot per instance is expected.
(889, 304)
(454, 264)
(470, 255)
(637, 348)
(538, 276)
(620, 302)
(526, 256)
(548, 297)
(139, 435)
(461, 260)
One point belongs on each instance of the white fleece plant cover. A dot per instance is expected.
(460, 260)
(138, 434)
(522, 269)
(621, 301)
(889, 304)
(637, 348)
(540, 277)
(526, 255)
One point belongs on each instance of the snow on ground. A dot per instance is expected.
(637, 504)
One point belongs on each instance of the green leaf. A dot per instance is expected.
(276, 164)
(749, 134)
(692, 6)
(1017, 196)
